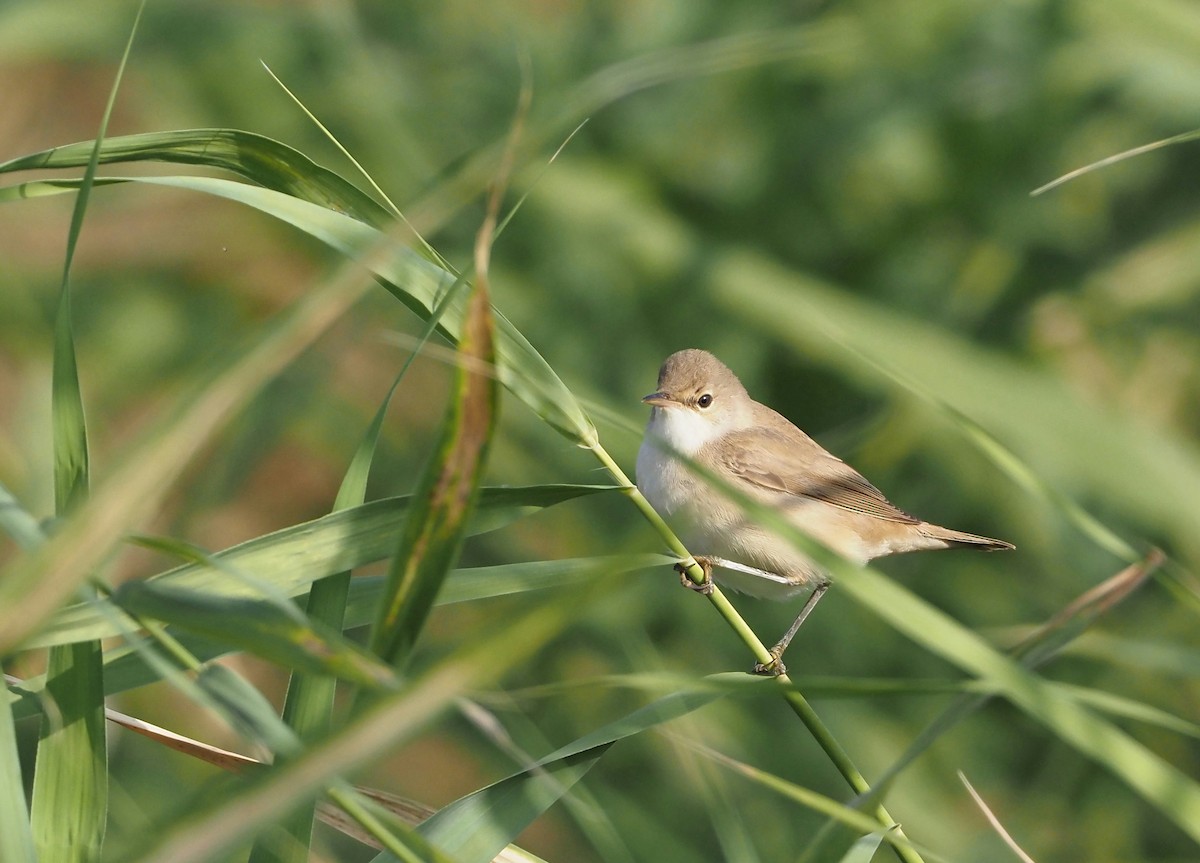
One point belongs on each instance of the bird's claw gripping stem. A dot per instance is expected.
(706, 586)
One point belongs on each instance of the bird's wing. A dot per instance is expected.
(795, 464)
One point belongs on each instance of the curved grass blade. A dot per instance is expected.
(994, 821)
(1128, 708)
(409, 812)
(125, 670)
(415, 281)
(1140, 655)
(246, 709)
(260, 628)
(257, 158)
(292, 558)
(863, 851)
(391, 208)
(1118, 157)
(516, 737)
(839, 842)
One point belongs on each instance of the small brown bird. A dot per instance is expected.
(702, 411)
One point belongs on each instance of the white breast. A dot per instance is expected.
(659, 477)
(665, 482)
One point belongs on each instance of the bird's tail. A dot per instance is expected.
(958, 538)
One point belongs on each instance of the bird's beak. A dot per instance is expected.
(659, 400)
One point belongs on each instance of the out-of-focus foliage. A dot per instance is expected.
(825, 190)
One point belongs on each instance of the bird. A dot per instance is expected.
(702, 417)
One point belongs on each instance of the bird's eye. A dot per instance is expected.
(704, 400)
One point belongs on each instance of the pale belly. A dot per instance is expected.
(711, 526)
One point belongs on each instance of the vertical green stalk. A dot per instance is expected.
(16, 838)
(70, 782)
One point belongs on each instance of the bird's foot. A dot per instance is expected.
(706, 586)
(775, 667)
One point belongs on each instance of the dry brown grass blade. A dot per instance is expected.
(994, 821)
(1091, 604)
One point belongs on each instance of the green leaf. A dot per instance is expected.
(400, 840)
(268, 624)
(1128, 708)
(840, 842)
(1141, 655)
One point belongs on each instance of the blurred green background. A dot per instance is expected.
(821, 182)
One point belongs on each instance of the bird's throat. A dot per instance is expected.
(682, 429)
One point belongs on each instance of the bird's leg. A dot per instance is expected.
(776, 667)
(705, 586)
